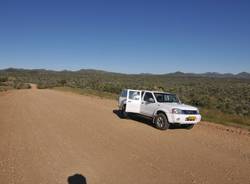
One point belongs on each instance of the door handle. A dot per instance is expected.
(142, 103)
(129, 101)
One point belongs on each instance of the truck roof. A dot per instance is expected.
(150, 91)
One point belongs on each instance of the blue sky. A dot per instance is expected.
(150, 36)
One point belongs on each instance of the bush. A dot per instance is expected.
(19, 85)
(3, 79)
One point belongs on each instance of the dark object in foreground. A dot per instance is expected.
(77, 179)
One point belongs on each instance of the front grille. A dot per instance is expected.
(189, 112)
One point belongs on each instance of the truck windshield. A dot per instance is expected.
(166, 98)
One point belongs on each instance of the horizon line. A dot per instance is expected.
(146, 73)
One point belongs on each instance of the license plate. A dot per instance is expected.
(190, 118)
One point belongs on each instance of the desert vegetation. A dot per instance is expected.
(9, 82)
(221, 98)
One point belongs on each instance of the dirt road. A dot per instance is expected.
(47, 136)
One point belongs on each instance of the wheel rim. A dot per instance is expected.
(160, 122)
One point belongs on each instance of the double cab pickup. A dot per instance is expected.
(164, 108)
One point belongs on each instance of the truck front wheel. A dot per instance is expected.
(161, 121)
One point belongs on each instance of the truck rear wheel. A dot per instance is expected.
(161, 121)
(123, 112)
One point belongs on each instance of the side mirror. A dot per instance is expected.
(151, 100)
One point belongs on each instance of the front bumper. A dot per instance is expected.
(184, 118)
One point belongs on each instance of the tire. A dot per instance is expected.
(123, 113)
(161, 121)
(188, 126)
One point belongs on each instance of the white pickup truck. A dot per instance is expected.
(164, 108)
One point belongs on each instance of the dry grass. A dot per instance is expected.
(88, 92)
(217, 116)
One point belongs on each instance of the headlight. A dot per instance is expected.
(176, 111)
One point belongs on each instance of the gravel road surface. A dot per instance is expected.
(47, 136)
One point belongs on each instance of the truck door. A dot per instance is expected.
(148, 104)
(133, 101)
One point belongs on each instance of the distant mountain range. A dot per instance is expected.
(242, 75)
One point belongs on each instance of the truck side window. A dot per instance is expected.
(134, 95)
(124, 93)
(148, 96)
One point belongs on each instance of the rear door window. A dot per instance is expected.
(134, 95)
